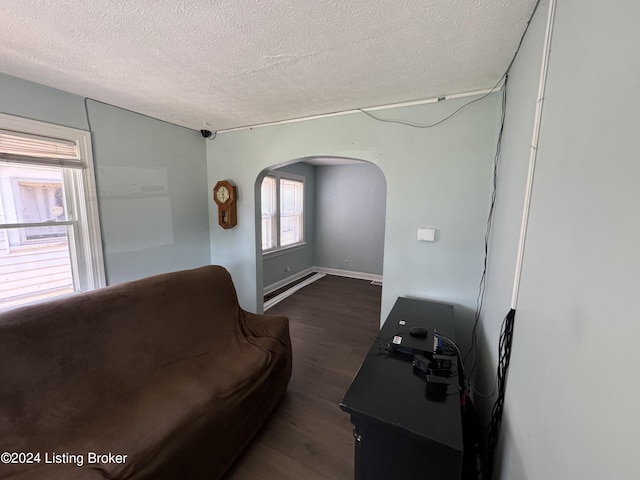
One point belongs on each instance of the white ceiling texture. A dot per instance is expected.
(220, 64)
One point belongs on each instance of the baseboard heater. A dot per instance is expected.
(280, 294)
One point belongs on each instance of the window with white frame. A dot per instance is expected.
(50, 240)
(282, 212)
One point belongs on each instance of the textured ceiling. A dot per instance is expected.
(246, 62)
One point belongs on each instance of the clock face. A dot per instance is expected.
(222, 194)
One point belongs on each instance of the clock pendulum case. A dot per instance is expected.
(225, 195)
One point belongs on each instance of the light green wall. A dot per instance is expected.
(571, 409)
(37, 102)
(437, 177)
(350, 217)
(144, 230)
(151, 181)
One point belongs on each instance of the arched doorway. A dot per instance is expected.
(344, 222)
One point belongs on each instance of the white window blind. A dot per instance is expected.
(22, 147)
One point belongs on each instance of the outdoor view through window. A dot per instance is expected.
(35, 259)
(282, 212)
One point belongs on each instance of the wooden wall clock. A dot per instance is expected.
(225, 195)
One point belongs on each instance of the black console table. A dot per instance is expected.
(399, 432)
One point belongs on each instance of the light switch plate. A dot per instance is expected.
(426, 234)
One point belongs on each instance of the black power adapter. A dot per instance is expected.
(438, 366)
(421, 363)
(436, 373)
(437, 386)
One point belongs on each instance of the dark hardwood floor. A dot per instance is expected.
(333, 323)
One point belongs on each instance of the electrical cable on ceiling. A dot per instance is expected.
(502, 79)
(126, 110)
(435, 124)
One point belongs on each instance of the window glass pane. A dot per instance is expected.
(41, 200)
(291, 205)
(32, 194)
(269, 225)
(33, 271)
(35, 262)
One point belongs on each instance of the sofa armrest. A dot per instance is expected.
(270, 332)
(271, 326)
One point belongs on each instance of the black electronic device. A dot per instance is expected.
(421, 363)
(441, 363)
(418, 332)
(436, 387)
(408, 344)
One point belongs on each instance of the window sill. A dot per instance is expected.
(283, 250)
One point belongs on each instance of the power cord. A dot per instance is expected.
(481, 289)
(504, 348)
(483, 278)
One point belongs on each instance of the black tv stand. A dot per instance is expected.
(399, 431)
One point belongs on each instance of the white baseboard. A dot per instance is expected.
(348, 273)
(286, 281)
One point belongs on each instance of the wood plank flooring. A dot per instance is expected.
(333, 323)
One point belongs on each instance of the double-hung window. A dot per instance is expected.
(282, 212)
(50, 240)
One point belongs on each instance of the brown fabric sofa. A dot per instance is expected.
(167, 370)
